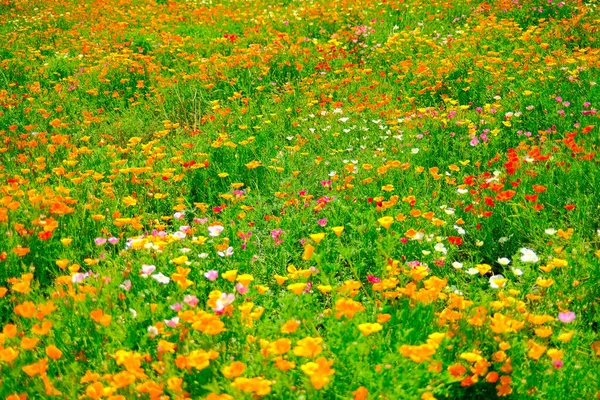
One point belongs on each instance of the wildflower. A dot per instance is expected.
(317, 237)
(211, 275)
(234, 369)
(319, 372)
(160, 278)
(497, 281)
(386, 222)
(338, 230)
(290, 326)
(528, 255)
(308, 347)
(566, 316)
(227, 253)
(258, 386)
(347, 308)
(215, 230)
(297, 288)
(503, 261)
(147, 270)
(368, 329)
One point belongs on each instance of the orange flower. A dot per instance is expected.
(259, 386)
(53, 352)
(29, 343)
(361, 393)
(290, 326)
(309, 249)
(319, 372)
(26, 309)
(101, 318)
(347, 308)
(234, 369)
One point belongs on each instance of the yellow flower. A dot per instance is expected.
(483, 269)
(297, 288)
(230, 275)
(369, 328)
(338, 230)
(308, 347)
(566, 336)
(324, 288)
(386, 222)
(245, 279)
(317, 237)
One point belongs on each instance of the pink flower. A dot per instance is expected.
(373, 279)
(211, 275)
(176, 306)
(147, 270)
(322, 222)
(223, 301)
(566, 317)
(99, 241)
(558, 363)
(190, 300)
(241, 289)
(126, 285)
(172, 322)
(113, 240)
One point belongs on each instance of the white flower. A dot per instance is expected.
(460, 230)
(160, 278)
(414, 151)
(461, 191)
(425, 252)
(133, 313)
(479, 243)
(472, 271)
(152, 331)
(457, 265)
(215, 230)
(147, 270)
(504, 261)
(179, 235)
(439, 247)
(503, 239)
(517, 271)
(494, 281)
(528, 255)
(227, 253)
(550, 231)
(203, 255)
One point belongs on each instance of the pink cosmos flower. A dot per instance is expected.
(113, 240)
(322, 222)
(99, 241)
(176, 306)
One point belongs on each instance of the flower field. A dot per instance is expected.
(343, 199)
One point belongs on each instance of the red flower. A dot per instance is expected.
(505, 195)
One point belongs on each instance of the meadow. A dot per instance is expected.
(343, 199)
